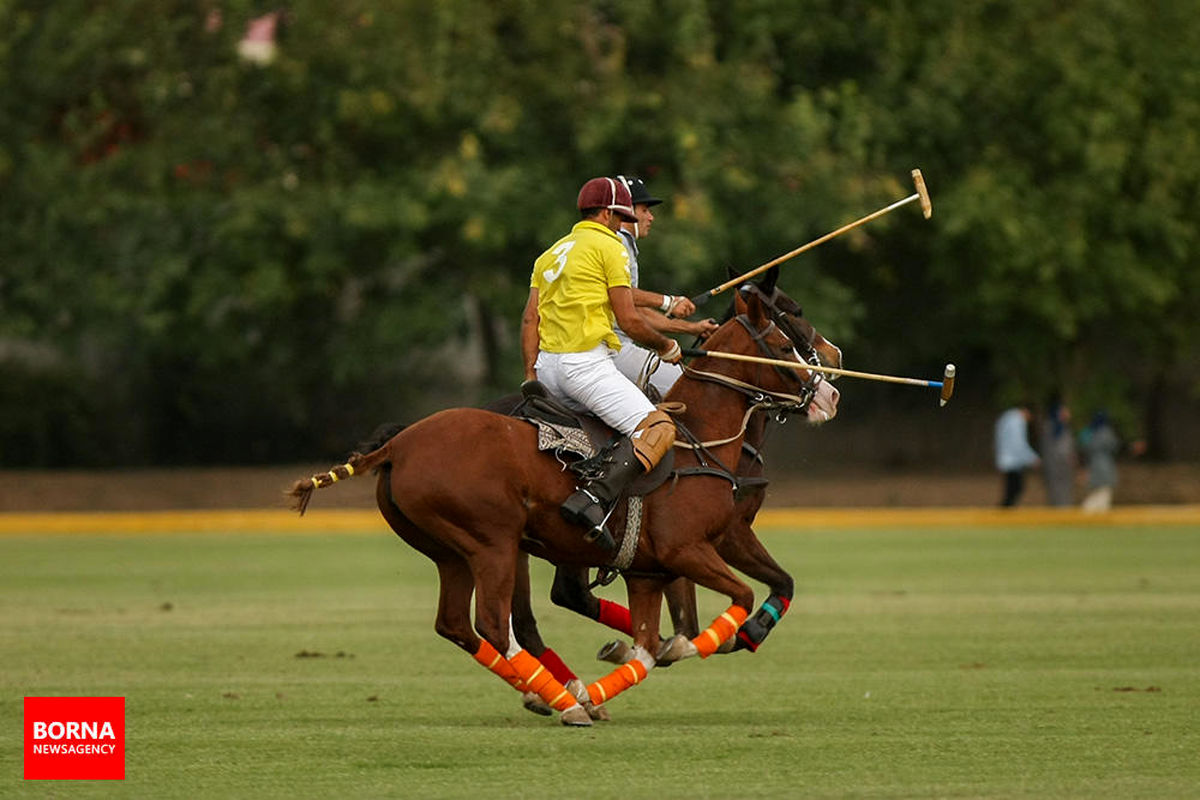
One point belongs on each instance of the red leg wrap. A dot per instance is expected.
(561, 672)
(615, 616)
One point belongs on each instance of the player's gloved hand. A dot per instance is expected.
(681, 307)
(671, 354)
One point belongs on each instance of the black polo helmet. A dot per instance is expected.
(639, 192)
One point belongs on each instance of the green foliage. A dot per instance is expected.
(253, 261)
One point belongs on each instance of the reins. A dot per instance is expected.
(760, 399)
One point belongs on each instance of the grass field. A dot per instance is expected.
(1052, 661)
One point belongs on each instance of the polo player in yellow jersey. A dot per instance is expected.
(579, 287)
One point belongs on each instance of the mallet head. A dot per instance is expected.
(947, 385)
(923, 193)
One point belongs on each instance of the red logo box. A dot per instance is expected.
(75, 738)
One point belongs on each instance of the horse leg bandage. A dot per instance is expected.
(490, 658)
(540, 681)
(628, 674)
(754, 630)
(721, 629)
(561, 672)
(615, 616)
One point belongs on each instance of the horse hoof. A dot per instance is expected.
(598, 713)
(617, 652)
(580, 693)
(728, 646)
(677, 648)
(536, 704)
(576, 717)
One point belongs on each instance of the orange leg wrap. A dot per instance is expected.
(541, 681)
(490, 658)
(722, 628)
(617, 681)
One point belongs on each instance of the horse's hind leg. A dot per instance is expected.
(524, 626)
(681, 604)
(495, 572)
(456, 584)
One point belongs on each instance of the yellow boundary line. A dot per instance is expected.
(367, 521)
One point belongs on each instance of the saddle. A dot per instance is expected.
(578, 440)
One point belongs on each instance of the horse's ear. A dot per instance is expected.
(731, 273)
(741, 301)
(767, 284)
(750, 304)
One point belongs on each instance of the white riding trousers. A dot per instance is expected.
(631, 360)
(590, 381)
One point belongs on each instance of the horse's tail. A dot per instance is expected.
(359, 464)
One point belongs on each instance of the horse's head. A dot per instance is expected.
(788, 315)
(757, 328)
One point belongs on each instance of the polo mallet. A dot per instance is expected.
(946, 384)
(922, 195)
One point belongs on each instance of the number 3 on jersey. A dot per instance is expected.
(560, 258)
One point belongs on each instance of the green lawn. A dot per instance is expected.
(1032, 662)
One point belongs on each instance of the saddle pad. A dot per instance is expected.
(564, 441)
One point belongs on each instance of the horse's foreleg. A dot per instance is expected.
(681, 603)
(645, 606)
(743, 551)
(703, 565)
(570, 591)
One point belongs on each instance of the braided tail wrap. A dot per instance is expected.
(301, 491)
(652, 438)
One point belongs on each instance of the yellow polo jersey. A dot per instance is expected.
(573, 278)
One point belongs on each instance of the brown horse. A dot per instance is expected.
(469, 489)
(739, 546)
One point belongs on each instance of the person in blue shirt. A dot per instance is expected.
(1014, 455)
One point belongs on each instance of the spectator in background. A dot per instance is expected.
(1100, 445)
(1058, 454)
(1014, 454)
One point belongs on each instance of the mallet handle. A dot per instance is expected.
(700, 298)
(775, 362)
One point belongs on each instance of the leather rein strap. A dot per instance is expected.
(761, 399)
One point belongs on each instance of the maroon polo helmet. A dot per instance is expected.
(607, 193)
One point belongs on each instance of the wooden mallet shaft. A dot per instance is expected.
(921, 195)
(946, 386)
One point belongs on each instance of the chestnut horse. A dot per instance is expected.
(739, 546)
(469, 489)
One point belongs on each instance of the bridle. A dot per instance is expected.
(779, 404)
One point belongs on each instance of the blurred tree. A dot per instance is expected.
(218, 245)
